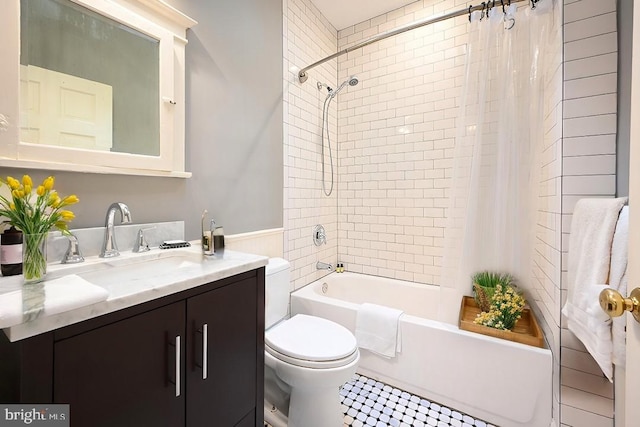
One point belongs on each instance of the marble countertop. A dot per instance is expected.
(73, 293)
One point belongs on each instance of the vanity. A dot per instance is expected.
(98, 86)
(179, 341)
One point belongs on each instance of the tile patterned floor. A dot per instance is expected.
(370, 403)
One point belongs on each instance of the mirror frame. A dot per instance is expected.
(151, 17)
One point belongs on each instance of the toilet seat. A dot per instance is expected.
(311, 342)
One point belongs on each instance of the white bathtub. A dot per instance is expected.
(502, 382)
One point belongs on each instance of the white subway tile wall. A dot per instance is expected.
(547, 258)
(396, 136)
(307, 37)
(589, 168)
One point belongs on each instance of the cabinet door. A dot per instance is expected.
(228, 393)
(124, 374)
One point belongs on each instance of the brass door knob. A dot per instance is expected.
(614, 304)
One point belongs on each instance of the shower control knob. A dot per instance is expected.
(319, 235)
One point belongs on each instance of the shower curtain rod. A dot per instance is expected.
(302, 75)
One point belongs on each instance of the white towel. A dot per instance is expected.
(377, 329)
(48, 298)
(618, 281)
(589, 259)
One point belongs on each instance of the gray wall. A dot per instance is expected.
(625, 42)
(234, 130)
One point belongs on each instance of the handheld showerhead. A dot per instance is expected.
(352, 81)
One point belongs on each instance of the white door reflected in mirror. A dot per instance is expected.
(64, 110)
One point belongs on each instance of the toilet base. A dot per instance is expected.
(273, 416)
(315, 408)
(314, 394)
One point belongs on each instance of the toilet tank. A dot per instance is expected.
(277, 291)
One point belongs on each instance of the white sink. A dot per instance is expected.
(132, 272)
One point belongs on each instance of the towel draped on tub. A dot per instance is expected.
(378, 329)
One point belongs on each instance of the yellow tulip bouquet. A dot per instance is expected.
(35, 213)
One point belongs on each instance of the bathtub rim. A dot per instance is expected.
(312, 291)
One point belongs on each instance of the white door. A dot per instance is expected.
(65, 110)
(632, 383)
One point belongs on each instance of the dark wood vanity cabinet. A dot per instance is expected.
(118, 374)
(123, 369)
(231, 369)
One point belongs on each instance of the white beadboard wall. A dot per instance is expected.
(307, 37)
(588, 170)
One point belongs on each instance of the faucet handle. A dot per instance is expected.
(73, 255)
(141, 244)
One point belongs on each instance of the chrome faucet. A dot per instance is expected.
(323, 266)
(109, 246)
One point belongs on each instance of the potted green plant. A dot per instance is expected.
(484, 286)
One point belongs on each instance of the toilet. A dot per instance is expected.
(307, 359)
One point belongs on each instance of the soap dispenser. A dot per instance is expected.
(207, 237)
(218, 236)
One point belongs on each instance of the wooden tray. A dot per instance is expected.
(526, 331)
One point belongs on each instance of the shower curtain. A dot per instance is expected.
(493, 198)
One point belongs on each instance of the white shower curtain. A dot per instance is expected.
(493, 199)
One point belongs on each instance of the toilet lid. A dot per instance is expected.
(311, 338)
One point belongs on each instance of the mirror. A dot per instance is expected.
(93, 86)
(87, 81)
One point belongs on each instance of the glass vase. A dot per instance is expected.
(34, 257)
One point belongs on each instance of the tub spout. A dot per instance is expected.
(324, 266)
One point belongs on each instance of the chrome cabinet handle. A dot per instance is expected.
(205, 344)
(178, 366)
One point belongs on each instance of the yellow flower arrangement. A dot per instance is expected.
(506, 308)
(35, 212)
(39, 215)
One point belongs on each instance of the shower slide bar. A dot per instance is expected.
(302, 75)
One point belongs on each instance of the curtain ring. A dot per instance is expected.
(470, 6)
(484, 5)
(504, 12)
(512, 20)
